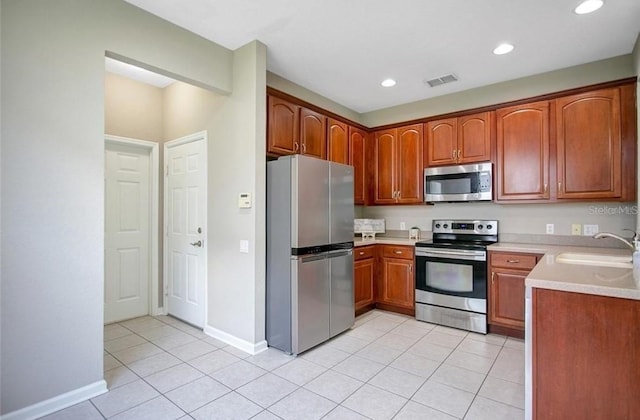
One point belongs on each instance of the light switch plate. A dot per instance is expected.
(550, 228)
(244, 246)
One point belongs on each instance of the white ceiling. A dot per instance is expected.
(343, 49)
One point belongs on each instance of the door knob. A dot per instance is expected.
(197, 244)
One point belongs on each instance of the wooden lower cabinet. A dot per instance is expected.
(396, 284)
(586, 356)
(384, 278)
(507, 272)
(364, 273)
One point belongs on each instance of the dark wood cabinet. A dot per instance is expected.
(522, 146)
(507, 272)
(313, 133)
(459, 140)
(283, 131)
(294, 129)
(396, 284)
(589, 148)
(585, 358)
(398, 165)
(337, 141)
(364, 274)
(358, 159)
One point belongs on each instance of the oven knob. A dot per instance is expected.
(437, 225)
(480, 227)
(489, 227)
(446, 226)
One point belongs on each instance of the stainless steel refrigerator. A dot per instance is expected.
(309, 252)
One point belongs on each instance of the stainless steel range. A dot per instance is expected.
(451, 274)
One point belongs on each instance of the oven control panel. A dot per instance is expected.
(477, 227)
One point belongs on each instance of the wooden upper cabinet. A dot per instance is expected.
(522, 142)
(313, 133)
(458, 140)
(442, 142)
(409, 164)
(398, 165)
(358, 159)
(337, 141)
(474, 138)
(284, 128)
(385, 167)
(589, 145)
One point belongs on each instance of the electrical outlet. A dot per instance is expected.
(590, 230)
(576, 229)
(550, 228)
(403, 226)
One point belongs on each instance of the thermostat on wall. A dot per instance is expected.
(244, 200)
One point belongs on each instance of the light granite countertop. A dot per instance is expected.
(385, 240)
(579, 278)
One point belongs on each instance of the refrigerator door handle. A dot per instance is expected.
(312, 257)
(340, 253)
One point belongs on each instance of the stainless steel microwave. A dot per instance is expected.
(459, 183)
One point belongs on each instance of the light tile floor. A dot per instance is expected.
(387, 366)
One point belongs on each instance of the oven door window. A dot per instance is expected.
(452, 277)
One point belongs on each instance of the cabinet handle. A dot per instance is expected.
(458, 154)
(397, 252)
(296, 146)
(546, 188)
(361, 253)
(304, 148)
(513, 261)
(559, 186)
(492, 274)
(454, 154)
(411, 268)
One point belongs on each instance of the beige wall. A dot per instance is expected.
(53, 126)
(132, 109)
(554, 81)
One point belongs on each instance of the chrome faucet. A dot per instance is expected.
(620, 238)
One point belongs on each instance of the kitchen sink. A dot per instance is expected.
(602, 260)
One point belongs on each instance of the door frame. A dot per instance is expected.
(200, 135)
(152, 149)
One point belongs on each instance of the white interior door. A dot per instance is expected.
(127, 238)
(185, 215)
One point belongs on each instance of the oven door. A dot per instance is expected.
(453, 272)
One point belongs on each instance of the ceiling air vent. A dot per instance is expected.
(447, 78)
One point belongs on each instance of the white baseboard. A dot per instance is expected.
(58, 403)
(232, 340)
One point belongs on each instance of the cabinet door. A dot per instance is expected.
(396, 283)
(410, 170)
(337, 141)
(442, 142)
(384, 167)
(283, 133)
(589, 145)
(474, 138)
(522, 140)
(506, 306)
(313, 135)
(363, 277)
(357, 159)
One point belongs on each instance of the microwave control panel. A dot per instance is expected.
(485, 181)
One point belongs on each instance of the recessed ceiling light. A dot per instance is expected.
(388, 82)
(503, 48)
(588, 6)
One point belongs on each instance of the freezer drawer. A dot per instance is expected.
(342, 305)
(311, 304)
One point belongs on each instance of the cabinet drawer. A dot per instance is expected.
(397, 251)
(363, 252)
(515, 260)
